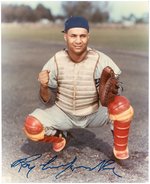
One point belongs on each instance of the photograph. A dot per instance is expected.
(74, 91)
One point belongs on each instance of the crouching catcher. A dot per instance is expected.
(74, 73)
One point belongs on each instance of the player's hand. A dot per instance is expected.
(44, 78)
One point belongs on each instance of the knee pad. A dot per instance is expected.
(120, 109)
(121, 113)
(32, 125)
(33, 128)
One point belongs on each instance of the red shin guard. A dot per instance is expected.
(121, 112)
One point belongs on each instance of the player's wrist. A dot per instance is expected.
(44, 86)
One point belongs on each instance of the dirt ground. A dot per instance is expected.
(21, 62)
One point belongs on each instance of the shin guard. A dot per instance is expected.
(121, 113)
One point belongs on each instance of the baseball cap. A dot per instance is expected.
(74, 22)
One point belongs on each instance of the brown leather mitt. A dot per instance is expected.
(108, 87)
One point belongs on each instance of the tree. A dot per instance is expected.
(80, 8)
(8, 13)
(99, 16)
(42, 12)
(24, 13)
(93, 11)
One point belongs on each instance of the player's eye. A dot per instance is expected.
(73, 36)
(83, 36)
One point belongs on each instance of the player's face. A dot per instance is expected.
(77, 40)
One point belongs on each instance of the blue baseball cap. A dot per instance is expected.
(74, 22)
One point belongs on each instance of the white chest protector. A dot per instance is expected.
(77, 92)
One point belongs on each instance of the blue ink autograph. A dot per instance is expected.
(27, 162)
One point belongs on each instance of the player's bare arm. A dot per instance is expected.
(44, 89)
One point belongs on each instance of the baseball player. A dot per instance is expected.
(87, 87)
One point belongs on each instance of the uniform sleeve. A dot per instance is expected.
(51, 66)
(103, 62)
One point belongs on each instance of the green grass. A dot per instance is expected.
(133, 39)
(124, 39)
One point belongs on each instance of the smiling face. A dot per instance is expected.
(77, 40)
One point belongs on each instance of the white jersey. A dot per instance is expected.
(77, 83)
(104, 61)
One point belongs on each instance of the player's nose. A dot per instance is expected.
(78, 39)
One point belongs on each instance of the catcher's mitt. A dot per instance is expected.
(108, 87)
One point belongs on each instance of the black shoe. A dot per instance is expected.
(125, 164)
(65, 134)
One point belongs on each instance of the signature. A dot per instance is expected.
(25, 163)
(28, 163)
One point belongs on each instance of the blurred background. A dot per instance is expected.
(121, 12)
(119, 20)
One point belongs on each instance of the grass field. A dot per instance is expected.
(133, 39)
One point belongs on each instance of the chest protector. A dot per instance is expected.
(77, 93)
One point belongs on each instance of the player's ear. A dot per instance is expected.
(65, 37)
